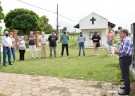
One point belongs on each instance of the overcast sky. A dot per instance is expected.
(119, 12)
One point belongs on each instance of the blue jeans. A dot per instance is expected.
(6, 51)
(81, 46)
(110, 43)
(13, 53)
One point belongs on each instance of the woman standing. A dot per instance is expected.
(21, 48)
(110, 38)
(81, 40)
(96, 38)
(13, 47)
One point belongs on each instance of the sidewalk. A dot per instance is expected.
(28, 85)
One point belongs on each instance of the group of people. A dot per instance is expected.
(125, 49)
(9, 45)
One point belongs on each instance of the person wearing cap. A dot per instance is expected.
(125, 53)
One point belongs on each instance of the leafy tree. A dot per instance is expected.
(1, 12)
(23, 20)
(45, 26)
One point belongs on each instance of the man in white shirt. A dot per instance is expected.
(43, 41)
(7, 44)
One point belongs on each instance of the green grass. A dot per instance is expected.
(101, 68)
(2, 95)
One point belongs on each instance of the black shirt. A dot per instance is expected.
(31, 42)
(96, 37)
(52, 40)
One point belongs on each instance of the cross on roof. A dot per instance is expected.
(93, 19)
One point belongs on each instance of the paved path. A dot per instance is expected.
(28, 85)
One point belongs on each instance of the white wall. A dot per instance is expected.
(100, 22)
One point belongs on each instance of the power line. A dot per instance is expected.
(45, 10)
(67, 18)
(35, 6)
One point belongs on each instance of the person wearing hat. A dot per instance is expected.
(125, 53)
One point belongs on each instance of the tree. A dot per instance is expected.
(1, 12)
(45, 26)
(23, 20)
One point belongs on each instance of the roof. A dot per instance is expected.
(112, 25)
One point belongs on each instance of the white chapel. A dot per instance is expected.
(94, 23)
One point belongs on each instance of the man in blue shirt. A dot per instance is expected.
(81, 40)
(125, 53)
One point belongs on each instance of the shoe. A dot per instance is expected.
(97, 54)
(15, 61)
(122, 87)
(37, 57)
(121, 80)
(123, 93)
(10, 64)
(4, 65)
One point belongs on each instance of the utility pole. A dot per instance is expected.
(57, 26)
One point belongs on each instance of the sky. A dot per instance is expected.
(119, 12)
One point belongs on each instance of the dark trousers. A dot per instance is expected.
(6, 51)
(22, 52)
(125, 64)
(81, 46)
(52, 49)
(120, 62)
(63, 47)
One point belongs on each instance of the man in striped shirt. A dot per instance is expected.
(125, 53)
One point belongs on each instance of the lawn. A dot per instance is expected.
(101, 68)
